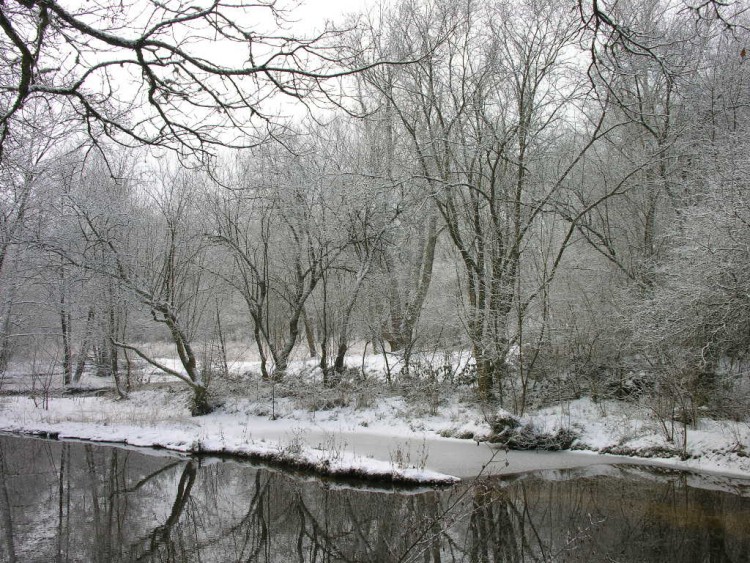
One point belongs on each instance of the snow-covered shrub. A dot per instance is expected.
(509, 432)
(503, 424)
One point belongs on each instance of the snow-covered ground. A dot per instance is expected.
(367, 430)
(713, 446)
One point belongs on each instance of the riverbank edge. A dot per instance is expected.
(368, 475)
(361, 470)
(158, 418)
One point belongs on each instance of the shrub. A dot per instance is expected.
(508, 432)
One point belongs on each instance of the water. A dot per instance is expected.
(82, 502)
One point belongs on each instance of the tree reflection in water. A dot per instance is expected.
(76, 502)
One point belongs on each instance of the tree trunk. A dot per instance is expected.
(309, 334)
(115, 371)
(200, 404)
(261, 351)
(490, 372)
(403, 317)
(485, 377)
(67, 353)
(85, 345)
(5, 342)
(339, 365)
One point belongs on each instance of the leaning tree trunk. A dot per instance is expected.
(200, 403)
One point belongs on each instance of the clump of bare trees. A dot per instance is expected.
(560, 189)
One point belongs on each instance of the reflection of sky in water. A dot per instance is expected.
(79, 502)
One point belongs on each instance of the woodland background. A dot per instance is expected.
(559, 188)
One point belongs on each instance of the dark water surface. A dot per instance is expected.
(80, 502)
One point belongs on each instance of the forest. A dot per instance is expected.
(521, 202)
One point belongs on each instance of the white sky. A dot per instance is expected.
(312, 14)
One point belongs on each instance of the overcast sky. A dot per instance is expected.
(313, 13)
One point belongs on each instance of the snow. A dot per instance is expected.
(371, 434)
(714, 446)
(102, 420)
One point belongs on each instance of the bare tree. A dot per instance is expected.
(28, 169)
(483, 113)
(151, 248)
(186, 76)
(408, 258)
(366, 207)
(612, 27)
(693, 324)
(275, 227)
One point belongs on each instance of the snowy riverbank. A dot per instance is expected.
(386, 439)
(135, 423)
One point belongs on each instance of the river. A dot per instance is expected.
(69, 501)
